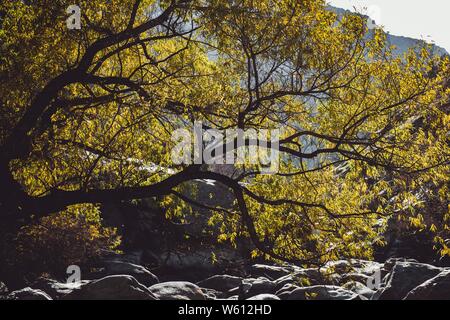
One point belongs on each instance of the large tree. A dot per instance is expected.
(87, 115)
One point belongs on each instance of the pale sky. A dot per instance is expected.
(422, 19)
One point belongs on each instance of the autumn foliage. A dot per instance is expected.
(87, 117)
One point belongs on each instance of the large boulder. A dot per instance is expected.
(340, 266)
(140, 273)
(437, 288)
(359, 289)
(368, 268)
(304, 277)
(28, 294)
(118, 287)
(252, 287)
(177, 290)
(221, 283)
(288, 287)
(342, 271)
(355, 277)
(319, 293)
(272, 272)
(404, 277)
(391, 262)
(55, 289)
(211, 294)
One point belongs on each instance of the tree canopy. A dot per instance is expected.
(87, 116)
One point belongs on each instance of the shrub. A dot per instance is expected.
(72, 237)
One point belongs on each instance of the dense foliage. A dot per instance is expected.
(67, 238)
(87, 117)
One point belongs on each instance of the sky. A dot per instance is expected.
(422, 19)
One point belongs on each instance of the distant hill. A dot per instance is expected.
(401, 43)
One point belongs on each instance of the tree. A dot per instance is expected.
(87, 115)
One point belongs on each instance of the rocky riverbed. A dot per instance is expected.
(396, 279)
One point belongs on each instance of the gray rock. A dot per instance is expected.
(404, 277)
(272, 272)
(340, 267)
(263, 297)
(177, 290)
(391, 262)
(289, 279)
(304, 277)
(118, 287)
(28, 294)
(319, 293)
(354, 277)
(437, 288)
(235, 291)
(221, 283)
(351, 270)
(367, 268)
(57, 290)
(211, 294)
(3, 289)
(140, 273)
(359, 289)
(288, 287)
(253, 287)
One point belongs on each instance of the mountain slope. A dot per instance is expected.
(402, 44)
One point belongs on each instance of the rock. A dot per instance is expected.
(211, 294)
(351, 270)
(404, 277)
(288, 287)
(359, 289)
(290, 279)
(263, 297)
(304, 277)
(340, 267)
(235, 291)
(368, 268)
(141, 274)
(313, 276)
(391, 262)
(253, 287)
(272, 272)
(177, 290)
(319, 293)
(57, 290)
(437, 288)
(354, 277)
(222, 283)
(28, 294)
(3, 289)
(118, 287)
(197, 262)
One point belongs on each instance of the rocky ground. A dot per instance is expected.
(396, 279)
(177, 268)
